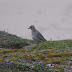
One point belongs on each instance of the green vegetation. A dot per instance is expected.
(55, 44)
(13, 67)
(12, 41)
(22, 55)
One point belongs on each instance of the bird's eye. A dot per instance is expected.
(30, 27)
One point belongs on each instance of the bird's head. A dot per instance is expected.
(31, 27)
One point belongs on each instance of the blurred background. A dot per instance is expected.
(53, 18)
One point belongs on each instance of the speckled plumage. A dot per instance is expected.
(36, 35)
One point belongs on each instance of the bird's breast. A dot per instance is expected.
(34, 35)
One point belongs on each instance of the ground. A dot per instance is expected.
(49, 56)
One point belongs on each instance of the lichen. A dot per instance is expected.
(1, 50)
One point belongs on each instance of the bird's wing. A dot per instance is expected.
(40, 36)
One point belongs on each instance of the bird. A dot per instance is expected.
(36, 35)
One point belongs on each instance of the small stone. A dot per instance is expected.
(48, 65)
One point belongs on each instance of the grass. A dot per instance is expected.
(12, 41)
(49, 56)
(62, 44)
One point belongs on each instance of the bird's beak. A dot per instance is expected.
(29, 28)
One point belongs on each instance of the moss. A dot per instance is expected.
(62, 44)
(26, 57)
(23, 50)
(59, 55)
(57, 61)
(12, 50)
(3, 56)
(2, 50)
(70, 64)
(41, 57)
(11, 41)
